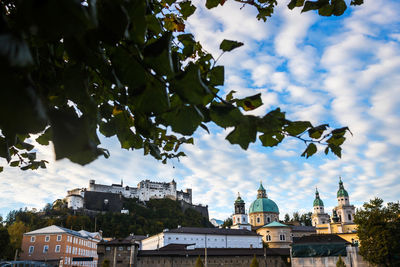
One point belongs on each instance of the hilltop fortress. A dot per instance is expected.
(99, 197)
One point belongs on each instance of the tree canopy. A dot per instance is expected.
(74, 69)
(379, 232)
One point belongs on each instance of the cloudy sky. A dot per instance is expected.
(343, 71)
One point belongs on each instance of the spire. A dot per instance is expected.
(239, 199)
(317, 200)
(261, 191)
(341, 192)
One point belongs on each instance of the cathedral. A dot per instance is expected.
(263, 217)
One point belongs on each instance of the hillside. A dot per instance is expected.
(151, 218)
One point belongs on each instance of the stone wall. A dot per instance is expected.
(212, 261)
(353, 259)
(203, 210)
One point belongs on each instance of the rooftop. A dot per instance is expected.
(211, 231)
(54, 229)
(319, 239)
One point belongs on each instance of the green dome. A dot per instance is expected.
(263, 205)
(239, 200)
(317, 200)
(342, 192)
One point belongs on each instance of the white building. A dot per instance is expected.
(204, 237)
(239, 218)
(144, 191)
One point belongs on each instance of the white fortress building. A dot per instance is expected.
(144, 191)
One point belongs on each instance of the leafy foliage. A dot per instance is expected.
(254, 262)
(379, 232)
(227, 223)
(340, 262)
(72, 69)
(199, 262)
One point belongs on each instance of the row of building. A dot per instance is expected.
(257, 232)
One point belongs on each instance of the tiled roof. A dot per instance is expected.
(319, 239)
(211, 231)
(54, 229)
(302, 228)
(275, 224)
(123, 241)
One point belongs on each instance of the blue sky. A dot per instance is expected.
(343, 71)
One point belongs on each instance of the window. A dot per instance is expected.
(31, 249)
(47, 238)
(349, 216)
(120, 248)
(258, 219)
(108, 248)
(282, 237)
(268, 219)
(59, 237)
(58, 248)
(268, 237)
(45, 248)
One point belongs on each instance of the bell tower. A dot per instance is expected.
(319, 216)
(240, 218)
(345, 211)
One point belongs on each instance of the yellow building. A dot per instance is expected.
(342, 221)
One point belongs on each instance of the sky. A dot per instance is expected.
(344, 71)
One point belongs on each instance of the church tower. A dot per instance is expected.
(319, 216)
(344, 210)
(239, 218)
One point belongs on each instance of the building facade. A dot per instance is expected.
(204, 238)
(58, 245)
(276, 235)
(342, 220)
(144, 191)
(319, 216)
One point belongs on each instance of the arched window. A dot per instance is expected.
(349, 216)
(268, 238)
(258, 219)
(268, 219)
(238, 220)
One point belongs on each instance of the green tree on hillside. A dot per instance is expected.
(5, 245)
(72, 69)
(379, 232)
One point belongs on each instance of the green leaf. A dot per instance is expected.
(157, 55)
(316, 132)
(190, 87)
(14, 163)
(337, 150)
(356, 2)
(271, 140)
(212, 3)
(326, 10)
(113, 20)
(295, 3)
(336, 140)
(44, 138)
(184, 120)
(244, 133)
(229, 96)
(228, 45)
(15, 50)
(225, 115)
(310, 150)
(127, 68)
(72, 136)
(250, 102)
(189, 44)
(310, 5)
(216, 75)
(297, 127)
(187, 9)
(339, 7)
